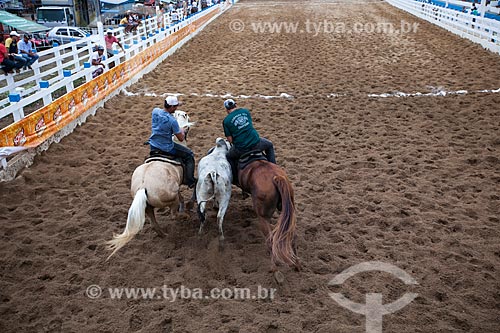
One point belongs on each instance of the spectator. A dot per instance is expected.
(133, 22)
(26, 49)
(96, 61)
(11, 45)
(7, 64)
(124, 23)
(474, 10)
(110, 39)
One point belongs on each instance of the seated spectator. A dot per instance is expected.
(136, 20)
(124, 23)
(26, 49)
(7, 64)
(474, 10)
(11, 45)
(96, 61)
(174, 17)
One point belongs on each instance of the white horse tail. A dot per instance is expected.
(135, 222)
(213, 176)
(202, 189)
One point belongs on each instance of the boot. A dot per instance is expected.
(189, 179)
(234, 170)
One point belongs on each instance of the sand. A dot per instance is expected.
(408, 181)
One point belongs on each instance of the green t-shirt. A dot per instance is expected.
(238, 124)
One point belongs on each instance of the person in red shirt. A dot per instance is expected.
(6, 59)
(110, 39)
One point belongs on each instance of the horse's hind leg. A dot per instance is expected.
(177, 207)
(181, 203)
(150, 212)
(201, 216)
(220, 218)
(266, 229)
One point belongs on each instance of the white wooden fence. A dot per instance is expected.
(480, 30)
(63, 67)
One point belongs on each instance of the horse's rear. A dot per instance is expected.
(160, 180)
(270, 189)
(154, 185)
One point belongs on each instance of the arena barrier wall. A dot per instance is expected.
(481, 30)
(37, 131)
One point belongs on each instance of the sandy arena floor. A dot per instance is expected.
(409, 181)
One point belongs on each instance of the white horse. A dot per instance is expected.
(154, 185)
(214, 183)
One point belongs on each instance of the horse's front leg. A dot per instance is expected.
(190, 204)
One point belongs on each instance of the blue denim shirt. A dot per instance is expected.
(163, 126)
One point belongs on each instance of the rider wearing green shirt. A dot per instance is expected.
(239, 130)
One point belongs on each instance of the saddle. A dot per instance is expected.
(251, 156)
(160, 156)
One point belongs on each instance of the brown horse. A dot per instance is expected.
(270, 189)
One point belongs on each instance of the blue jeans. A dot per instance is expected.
(30, 60)
(264, 145)
(11, 64)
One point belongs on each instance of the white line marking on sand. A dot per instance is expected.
(397, 94)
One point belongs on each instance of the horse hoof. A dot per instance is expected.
(279, 277)
(221, 246)
(161, 233)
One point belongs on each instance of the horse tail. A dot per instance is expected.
(211, 177)
(283, 235)
(135, 222)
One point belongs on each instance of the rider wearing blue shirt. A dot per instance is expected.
(163, 126)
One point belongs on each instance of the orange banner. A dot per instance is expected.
(37, 127)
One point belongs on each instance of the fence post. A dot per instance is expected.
(57, 56)
(19, 112)
(47, 97)
(69, 84)
(11, 83)
(127, 51)
(88, 76)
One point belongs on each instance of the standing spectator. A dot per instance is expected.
(7, 64)
(110, 39)
(96, 61)
(11, 45)
(26, 48)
